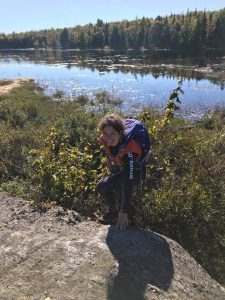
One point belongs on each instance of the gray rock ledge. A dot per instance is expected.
(55, 256)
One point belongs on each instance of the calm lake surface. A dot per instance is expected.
(138, 78)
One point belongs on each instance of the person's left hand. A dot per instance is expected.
(122, 222)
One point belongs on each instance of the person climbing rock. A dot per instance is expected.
(126, 143)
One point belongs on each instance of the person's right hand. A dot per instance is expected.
(122, 222)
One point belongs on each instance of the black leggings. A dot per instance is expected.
(116, 183)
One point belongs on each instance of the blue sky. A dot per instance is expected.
(26, 15)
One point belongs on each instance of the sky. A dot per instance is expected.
(27, 15)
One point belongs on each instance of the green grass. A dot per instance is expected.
(49, 154)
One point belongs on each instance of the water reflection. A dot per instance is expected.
(132, 62)
(137, 77)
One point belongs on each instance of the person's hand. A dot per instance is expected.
(122, 222)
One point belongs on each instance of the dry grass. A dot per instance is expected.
(7, 85)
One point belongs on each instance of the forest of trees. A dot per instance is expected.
(190, 33)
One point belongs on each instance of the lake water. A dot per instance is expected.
(134, 77)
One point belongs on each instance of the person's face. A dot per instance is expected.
(111, 136)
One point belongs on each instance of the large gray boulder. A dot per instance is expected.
(55, 256)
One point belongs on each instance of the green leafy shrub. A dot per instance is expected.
(184, 194)
(14, 147)
(66, 174)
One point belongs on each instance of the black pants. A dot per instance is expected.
(113, 184)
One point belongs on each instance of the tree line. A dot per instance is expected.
(189, 33)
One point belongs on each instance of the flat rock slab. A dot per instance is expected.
(54, 256)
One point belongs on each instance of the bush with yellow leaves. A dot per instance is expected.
(66, 175)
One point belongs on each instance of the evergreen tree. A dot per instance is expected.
(82, 40)
(188, 33)
(141, 37)
(64, 39)
(123, 42)
(4, 43)
(114, 40)
(106, 34)
(99, 23)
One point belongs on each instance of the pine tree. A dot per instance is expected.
(64, 39)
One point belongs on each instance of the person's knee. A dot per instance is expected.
(102, 185)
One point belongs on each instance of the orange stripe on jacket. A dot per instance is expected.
(132, 146)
